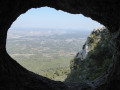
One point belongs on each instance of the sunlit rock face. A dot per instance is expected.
(98, 57)
(15, 77)
(90, 43)
(83, 53)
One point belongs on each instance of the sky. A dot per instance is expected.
(46, 17)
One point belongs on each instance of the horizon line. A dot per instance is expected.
(39, 28)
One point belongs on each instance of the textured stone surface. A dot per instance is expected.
(87, 47)
(15, 77)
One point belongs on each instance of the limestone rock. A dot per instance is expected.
(90, 43)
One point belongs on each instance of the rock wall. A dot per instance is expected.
(90, 43)
(97, 59)
(15, 77)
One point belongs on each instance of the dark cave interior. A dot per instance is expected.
(15, 77)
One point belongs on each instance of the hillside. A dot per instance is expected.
(94, 58)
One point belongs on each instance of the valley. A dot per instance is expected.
(46, 52)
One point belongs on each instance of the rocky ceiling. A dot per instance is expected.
(15, 77)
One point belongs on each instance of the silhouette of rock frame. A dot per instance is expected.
(15, 77)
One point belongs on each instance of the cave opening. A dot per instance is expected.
(14, 77)
(48, 46)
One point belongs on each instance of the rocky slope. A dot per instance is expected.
(95, 57)
(90, 43)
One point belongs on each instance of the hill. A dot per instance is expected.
(94, 58)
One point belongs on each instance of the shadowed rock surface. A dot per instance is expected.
(15, 77)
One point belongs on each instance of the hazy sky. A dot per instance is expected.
(46, 17)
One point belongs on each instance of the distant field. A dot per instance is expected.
(46, 52)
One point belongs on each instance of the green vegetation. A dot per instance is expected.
(97, 61)
(47, 54)
(58, 74)
(53, 55)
